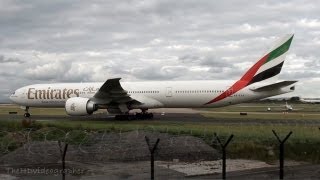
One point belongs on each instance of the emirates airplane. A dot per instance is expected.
(80, 99)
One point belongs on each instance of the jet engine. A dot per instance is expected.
(79, 106)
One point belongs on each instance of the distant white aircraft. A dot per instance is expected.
(288, 107)
(121, 97)
(310, 100)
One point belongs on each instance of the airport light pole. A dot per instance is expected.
(281, 154)
(152, 150)
(224, 154)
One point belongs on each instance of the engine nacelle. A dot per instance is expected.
(79, 106)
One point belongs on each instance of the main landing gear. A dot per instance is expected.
(26, 114)
(141, 116)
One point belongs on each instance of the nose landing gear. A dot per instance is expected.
(26, 122)
(26, 114)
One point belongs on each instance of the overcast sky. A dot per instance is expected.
(81, 41)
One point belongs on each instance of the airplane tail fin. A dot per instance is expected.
(269, 66)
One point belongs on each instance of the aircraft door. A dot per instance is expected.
(169, 92)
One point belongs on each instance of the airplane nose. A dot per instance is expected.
(11, 98)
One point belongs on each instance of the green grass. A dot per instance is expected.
(244, 132)
(263, 116)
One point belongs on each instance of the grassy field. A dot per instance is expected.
(263, 115)
(258, 133)
(250, 141)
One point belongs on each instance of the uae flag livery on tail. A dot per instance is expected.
(267, 67)
(274, 61)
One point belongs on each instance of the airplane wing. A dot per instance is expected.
(111, 92)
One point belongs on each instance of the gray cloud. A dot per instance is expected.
(156, 73)
(9, 60)
(208, 60)
(73, 41)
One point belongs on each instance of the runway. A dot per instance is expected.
(172, 118)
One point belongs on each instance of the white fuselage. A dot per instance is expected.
(167, 94)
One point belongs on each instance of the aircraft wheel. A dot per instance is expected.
(26, 114)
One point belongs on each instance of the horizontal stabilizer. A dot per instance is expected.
(274, 86)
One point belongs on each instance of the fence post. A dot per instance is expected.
(281, 154)
(63, 157)
(152, 150)
(224, 156)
